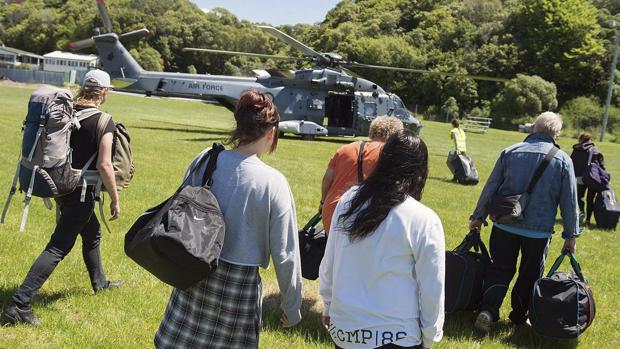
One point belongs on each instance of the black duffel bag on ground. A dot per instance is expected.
(312, 242)
(180, 240)
(562, 304)
(465, 270)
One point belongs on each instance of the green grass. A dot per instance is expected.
(166, 135)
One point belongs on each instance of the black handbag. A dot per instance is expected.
(465, 271)
(312, 243)
(507, 209)
(562, 304)
(179, 241)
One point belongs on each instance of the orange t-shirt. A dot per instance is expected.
(344, 164)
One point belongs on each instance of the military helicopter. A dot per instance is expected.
(327, 91)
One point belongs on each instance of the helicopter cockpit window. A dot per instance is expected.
(370, 109)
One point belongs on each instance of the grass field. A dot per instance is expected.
(166, 134)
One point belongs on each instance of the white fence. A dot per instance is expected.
(476, 124)
(43, 77)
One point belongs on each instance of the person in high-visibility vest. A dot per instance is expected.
(459, 146)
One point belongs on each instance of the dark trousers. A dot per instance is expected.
(75, 218)
(581, 194)
(504, 248)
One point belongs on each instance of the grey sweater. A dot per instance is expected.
(260, 217)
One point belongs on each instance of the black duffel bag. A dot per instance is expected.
(312, 242)
(562, 304)
(180, 240)
(465, 271)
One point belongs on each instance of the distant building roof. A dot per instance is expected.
(20, 52)
(69, 55)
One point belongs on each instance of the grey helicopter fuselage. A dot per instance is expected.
(305, 100)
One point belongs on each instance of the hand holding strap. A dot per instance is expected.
(573, 261)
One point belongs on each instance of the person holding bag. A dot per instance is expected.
(382, 276)
(584, 154)
(529, 181)
(224, 309)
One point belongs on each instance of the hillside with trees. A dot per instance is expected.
(557, 52)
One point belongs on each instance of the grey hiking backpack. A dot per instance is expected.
(44, 169)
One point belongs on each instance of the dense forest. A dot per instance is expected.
(557, 53)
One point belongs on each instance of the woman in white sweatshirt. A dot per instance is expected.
(382, 276)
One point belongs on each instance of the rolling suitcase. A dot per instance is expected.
(606, 210)
(464, 170)
(562, 304)
(465, 270)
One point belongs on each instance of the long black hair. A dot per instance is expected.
(401, 171)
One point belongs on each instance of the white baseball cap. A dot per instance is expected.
(101, 79)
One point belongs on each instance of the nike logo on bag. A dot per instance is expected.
(199, 219)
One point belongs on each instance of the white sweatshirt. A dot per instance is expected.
(389, 286)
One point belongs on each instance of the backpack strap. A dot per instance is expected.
(104, 119)
(22, 225)
(541, 168)
(207, 179)
(11, 193)
(360, 160)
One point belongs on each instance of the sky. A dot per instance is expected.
(276, 12)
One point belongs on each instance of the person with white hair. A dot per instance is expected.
(543, 176)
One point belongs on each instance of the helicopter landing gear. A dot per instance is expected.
(307, 137)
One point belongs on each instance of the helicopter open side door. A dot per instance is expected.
(340, 113)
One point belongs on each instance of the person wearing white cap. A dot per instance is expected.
(92, 147)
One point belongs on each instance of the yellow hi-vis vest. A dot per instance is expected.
(458, 140)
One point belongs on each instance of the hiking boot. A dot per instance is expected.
(13, 315)
(483, 322)
(110, 285)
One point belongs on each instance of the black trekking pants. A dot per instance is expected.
(589, 200)
(75, 218)
(504, 249)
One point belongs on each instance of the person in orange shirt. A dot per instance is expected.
(343, 171)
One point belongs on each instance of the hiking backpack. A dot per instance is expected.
(44, 169)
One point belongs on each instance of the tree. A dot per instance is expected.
(450, 109)
(559, 42)
(521, 99)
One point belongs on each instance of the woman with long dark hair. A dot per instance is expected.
(382, 276)
(224, 310)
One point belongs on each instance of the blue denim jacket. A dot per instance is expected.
(557, 185)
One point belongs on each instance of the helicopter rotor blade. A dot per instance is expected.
(430, 72)
(103, 11)
(248, 54)
(136, 34)
(293, 42)
(81, 44)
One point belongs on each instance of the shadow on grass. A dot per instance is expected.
(460, 326)
(310, 326)
(42, 299)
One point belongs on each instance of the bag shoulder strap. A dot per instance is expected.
(104, 119)
(541, 168)
(86, 113)
(207, 179)
(360, 162)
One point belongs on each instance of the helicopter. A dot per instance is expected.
(328, 91)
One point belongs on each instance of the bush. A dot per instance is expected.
(586, 114)
(521, 100)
